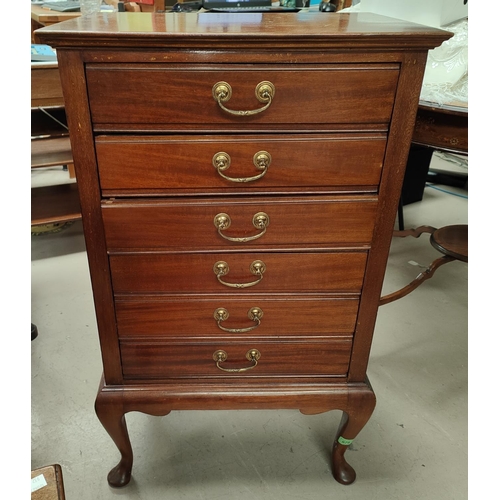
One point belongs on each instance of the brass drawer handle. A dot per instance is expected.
(255, 314)
(220, 356)
(264, 91)
(221, 161)
(257, 268)
(260, 221)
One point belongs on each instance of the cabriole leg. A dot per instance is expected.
(353, 421)
(111, 415)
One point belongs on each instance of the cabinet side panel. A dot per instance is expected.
(82, 143)
(398, 145)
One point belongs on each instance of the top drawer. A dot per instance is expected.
(160, 96)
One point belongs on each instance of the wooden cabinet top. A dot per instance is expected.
(208, 30)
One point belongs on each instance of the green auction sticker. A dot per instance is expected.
(345, 441)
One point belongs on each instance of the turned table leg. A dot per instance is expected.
(111, 415)
(353, 420)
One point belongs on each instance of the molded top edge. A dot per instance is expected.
(209, 30)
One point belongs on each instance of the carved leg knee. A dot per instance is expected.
(113, 420)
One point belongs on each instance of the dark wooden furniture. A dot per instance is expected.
(451, 241)
(239, 185)
(46, 90)
(50, 146)
(444, 127)
(437, 128)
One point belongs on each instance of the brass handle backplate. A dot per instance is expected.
(220, 356)
(255, 314)
(264, 91)
(260, 221)
(257, 268)
(221, 161)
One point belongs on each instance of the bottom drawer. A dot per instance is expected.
(198, 359)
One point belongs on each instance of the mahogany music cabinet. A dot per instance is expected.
(239, 178)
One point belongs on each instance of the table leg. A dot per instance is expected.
(110, 412)
(354, 418)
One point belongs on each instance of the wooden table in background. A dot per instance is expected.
(45, 17)
(444, 126)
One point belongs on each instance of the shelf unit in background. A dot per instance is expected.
(50, 147)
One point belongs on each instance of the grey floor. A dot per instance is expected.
(414, 446)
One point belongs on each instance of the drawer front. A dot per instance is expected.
(182, 96)
(239, 272)
(268, 222)
(227, 162)
(182, 360)
(261, 316)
